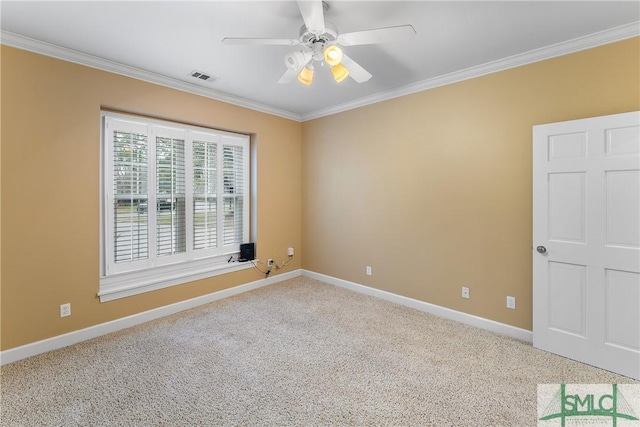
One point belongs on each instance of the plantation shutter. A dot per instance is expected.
(170, 195)
(205, 189)
(129, 172)
(233, 193)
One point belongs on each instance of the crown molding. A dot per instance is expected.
(32, 45)
(564, 48)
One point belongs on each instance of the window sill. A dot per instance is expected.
(133, 283)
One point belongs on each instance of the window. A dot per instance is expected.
(175, 203)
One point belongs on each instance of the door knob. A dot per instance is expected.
(541, 249)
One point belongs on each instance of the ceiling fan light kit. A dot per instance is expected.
(320, 40)
(306, 76)
(296, 60)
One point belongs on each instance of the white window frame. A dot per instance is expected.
(119, 280)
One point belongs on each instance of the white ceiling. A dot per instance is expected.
(165, 41)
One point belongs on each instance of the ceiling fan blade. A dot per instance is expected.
(356, 71)
(250, 41)
(381, 35)
(312, 12)
(288, 76)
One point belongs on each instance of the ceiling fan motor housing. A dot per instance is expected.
(317, 43)
(330, 35)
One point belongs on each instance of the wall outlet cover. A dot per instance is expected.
(65, 309)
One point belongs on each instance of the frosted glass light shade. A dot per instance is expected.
(332, 55)
(306, 76)
(339, 72)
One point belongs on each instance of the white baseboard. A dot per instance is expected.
(60, 341)
(468, 319)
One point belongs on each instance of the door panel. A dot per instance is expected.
(623, 142)
(567, 195)
(567, 298)
(569, 146)
(623, 208)
(586, 286)
(623, 297)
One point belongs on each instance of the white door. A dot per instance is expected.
(586, 241)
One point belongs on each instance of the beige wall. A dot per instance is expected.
(50, 190)
(433, 190)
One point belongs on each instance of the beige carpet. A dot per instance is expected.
(300, 352)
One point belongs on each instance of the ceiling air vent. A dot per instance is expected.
(203, 76)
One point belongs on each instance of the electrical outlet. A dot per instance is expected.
(368, 270)
(65, 309)
(270, 262)
(465, 292)
(511, 303)
(290, 252)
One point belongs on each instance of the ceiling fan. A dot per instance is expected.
(320, 42)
